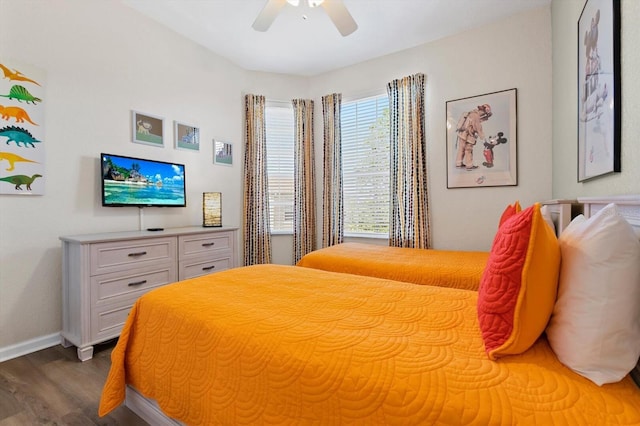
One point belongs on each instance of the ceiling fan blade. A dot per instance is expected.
(340, 16)
(268, 14)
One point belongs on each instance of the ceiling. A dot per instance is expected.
(313, 46)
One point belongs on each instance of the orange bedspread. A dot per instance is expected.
(287, 345)
(455, 269)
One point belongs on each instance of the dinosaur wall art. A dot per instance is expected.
(20, 115)
(13, 159)
(16, 75)
(22, 128)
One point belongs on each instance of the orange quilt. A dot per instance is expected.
(455, 269)
(275, 344)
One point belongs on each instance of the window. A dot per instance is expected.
(280, 139)
(365, 166)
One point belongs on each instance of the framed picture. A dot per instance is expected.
(222, 153)
(482, 140)
(599, 105)
(23, 124)
(186, 136)
(147, 129)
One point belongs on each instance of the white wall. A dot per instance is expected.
(103, 59)
(515, 53)
(565, 104)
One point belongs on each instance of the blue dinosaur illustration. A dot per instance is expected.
(18, 135)
(19, 180)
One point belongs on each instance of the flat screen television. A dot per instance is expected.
(137, 182)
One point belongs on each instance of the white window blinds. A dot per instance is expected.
(365, 166)
(280, 138)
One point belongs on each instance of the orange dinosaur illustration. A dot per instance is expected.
(16, 112)
(16, 75)
(12, 159)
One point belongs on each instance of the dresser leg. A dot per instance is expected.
(86, 353)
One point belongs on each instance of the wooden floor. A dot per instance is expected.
(51, 387)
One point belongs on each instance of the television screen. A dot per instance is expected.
(128, 181)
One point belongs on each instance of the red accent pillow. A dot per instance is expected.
(519, 284)
(509, 211)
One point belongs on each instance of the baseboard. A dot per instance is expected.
(29, 346)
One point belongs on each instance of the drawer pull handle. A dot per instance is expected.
(138, 253)
(208, 268)
(208, 244)
(137, 283)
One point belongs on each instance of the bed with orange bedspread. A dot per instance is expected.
(274, 344)
(455, 269)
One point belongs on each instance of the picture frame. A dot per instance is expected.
(222, 153)
(482, 140)
(186, 136)
(599, 103)
(147, 129)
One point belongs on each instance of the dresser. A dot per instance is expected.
(104, 274)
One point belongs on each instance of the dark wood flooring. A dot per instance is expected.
(52, 387)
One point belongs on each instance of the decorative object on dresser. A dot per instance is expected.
(211, 209)
(104, 274)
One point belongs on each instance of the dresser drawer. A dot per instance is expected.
(120, 255)
(131, 284)
(202, 244)
(203, 266)
(107, 322)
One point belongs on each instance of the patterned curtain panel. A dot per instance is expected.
(332, 198)
(410, 221)
(304, 216)
(257, 239)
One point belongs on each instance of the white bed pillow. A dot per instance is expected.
(546, 215)
(595, 326)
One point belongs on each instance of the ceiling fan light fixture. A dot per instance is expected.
(294, 2)
(315, 3)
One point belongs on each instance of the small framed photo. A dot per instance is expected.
(147, 129)
(222, 153)
(186, 136)
(482, 140)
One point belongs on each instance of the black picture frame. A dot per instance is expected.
(599, 94)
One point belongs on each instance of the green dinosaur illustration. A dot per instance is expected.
(12, 159)
(19, 180)
(18, 135)
(21, 94)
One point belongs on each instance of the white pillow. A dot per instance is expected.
(595, 326)
(546, 215)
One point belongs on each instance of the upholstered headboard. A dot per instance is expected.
(629, 207)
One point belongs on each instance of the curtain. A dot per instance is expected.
(409, 222)
(304, 216)
(332, 199)
(257, 239)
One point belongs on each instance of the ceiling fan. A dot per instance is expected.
(336, 10)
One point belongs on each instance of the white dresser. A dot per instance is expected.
(104, 274)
